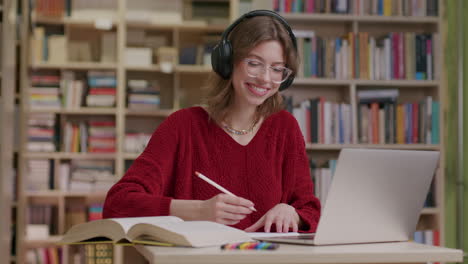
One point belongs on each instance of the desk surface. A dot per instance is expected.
(400, 252)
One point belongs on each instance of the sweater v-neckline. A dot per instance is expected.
(228, 137)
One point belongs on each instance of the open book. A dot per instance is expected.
(157, 230)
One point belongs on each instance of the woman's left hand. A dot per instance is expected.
(282, 215)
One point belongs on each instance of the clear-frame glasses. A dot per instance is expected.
(278, 74)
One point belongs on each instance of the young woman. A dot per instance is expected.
(241, 139)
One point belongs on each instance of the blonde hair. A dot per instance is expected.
(245, 37)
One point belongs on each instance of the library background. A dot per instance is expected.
(84, 84)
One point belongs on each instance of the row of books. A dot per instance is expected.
(93, 136)
(429, 237)
(42, 221)
(325, 122)
(397, 55)
(50, 91)
(87, 175)
(77, 213)
(77, 175)
(51, 45)
(44, 255)
(392, 123)
(380, 120)
(360, 7)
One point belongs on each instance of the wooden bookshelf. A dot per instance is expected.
(181, 88)
(7, 116)
(345, 90)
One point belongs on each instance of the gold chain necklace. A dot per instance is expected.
(239, 131)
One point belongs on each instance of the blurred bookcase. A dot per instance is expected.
(98, 77)
(8, 148)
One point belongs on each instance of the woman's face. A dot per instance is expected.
(253, 77)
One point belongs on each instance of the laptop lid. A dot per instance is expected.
(376, 196)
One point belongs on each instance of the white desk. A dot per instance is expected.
(400, 252)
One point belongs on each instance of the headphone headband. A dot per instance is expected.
(260, 12)
(222, 54)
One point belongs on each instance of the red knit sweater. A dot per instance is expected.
(271, 169)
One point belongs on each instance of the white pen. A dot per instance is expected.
(219, 187)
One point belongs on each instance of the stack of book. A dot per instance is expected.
(92, 175)
(143, 95)
(95, 211)
(45, 91)
(41, 132)
(136, 142)
(101, 136)
(40, 175)
(102, 89)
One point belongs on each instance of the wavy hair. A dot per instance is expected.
(245, 37)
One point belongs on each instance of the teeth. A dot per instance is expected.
(259, 89)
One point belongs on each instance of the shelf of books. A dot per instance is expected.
(98, 78)
(8, 146)
(370, 77)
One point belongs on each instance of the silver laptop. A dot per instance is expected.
(375, 196)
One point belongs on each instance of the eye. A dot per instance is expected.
(278, 69)
(254, 63)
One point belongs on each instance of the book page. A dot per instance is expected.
(126, 223)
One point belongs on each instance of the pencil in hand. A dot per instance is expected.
(219, 187)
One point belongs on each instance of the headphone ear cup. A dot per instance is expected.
(221, 59)
(286, 83)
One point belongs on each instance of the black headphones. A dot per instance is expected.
(221, 56)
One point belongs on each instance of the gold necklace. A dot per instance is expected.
(239, 131)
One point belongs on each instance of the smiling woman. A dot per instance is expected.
(242, 140)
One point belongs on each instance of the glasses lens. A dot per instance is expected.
(278, 74)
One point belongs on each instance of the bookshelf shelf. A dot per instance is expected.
(398, 19)
(177, 68)
(152, 68)
(310, 146)
(68, 21)
(340, 18)
(59, 194)
(193, 69)
(78, 111)
(67, 156)
(155, 113)
(430, 211)
(389, 83)
(186, 26)
(75, 66)
(50, 241)
(131, 156)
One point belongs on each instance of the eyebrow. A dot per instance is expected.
(260, 58)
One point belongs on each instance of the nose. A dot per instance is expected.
(265, 75)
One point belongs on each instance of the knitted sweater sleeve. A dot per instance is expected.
(142, 191)
(301, 190)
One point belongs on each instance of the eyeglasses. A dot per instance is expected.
(278, 74)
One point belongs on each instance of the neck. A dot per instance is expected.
(241, 117)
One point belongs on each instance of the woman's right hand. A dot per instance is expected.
(225, 209)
